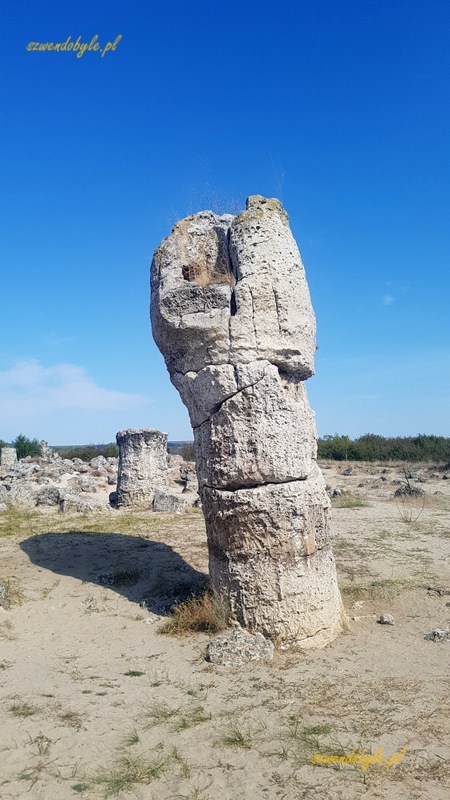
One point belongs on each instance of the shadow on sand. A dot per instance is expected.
(145, 572)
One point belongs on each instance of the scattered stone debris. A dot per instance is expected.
(408, 490)
(440, 591)
(75, 486)
(438, 635)
(239, 647)
(386, 619)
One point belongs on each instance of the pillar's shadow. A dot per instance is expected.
(145, 572)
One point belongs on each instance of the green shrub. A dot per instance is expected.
(26, 447)
(88, 451)
(372, 447)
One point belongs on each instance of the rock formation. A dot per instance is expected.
(142, 466)
(8, 457)
(232, 316)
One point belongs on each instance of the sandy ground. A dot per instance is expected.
(94, 701)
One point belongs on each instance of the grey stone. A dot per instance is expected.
(238, 648)
(188, 477)
(386, 619)
(232, 316)
(98, 461)
(164, 500)
(22, 494)
(408, 490)
(46, 451)
(8, 457)
(81, 466)
(87, 483)
(142, 466)
(438, 635)
(48, 496)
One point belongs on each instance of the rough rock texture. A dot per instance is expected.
(164, 500)
(46, 451)
(142, 466)
(8, 457)
(238, 648)
(232, 316)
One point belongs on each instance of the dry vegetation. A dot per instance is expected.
(96, 703)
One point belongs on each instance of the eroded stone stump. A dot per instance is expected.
(142, 466)
(232, 316)
(8, 457)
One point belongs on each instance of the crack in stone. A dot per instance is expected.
(233, 488)
(218, 406)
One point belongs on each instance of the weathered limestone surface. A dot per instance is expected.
(142, 466)
(232, 315)
(8, 457)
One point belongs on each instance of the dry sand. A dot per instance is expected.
(93, 700)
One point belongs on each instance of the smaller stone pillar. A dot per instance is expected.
(8, 457)
(46, 451)
(142, 466)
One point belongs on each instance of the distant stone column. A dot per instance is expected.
(8, 457)
(232, 316)
(142, 466)
(46, 451)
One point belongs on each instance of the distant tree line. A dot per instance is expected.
(372, 447)
(31, 447)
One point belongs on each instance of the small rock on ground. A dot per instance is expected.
(438, 635)
(386, 619)
(239, 647)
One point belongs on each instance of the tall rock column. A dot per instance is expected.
(232, 316)
(142, 466)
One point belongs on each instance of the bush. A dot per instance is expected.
(89, 451)
(26, 447)
(372, 447)
(198, 613)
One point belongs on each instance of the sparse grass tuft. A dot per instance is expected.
(42, 743)
(237, 737)
(72, 719)
(20, 708)
(130, 770)
(204, 613)
(410, 508)
(134, 673)
(131, 738)
(191, 717)
(349, 500)
(37, 772)
(160, 712)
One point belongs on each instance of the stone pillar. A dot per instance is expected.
(142, 466)
(46, 451)
(232, 316)
(8, 457)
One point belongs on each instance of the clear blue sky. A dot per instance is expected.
(338, 107)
